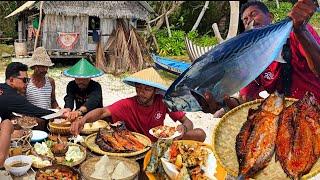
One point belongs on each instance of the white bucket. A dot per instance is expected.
(20, 47)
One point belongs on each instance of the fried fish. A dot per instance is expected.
(255, 142)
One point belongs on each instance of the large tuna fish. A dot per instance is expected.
(228, 67)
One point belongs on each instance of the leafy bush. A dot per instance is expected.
(285, 8)
(204, 40)
(282, 12)
(175, 46)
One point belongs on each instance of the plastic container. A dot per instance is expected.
(20, 47)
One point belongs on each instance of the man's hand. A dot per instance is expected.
(7, 126)
(214, 106)
(302, 12)
(72, 116)
(77, 126)
(182, 129)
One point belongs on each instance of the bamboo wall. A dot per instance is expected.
(59, 23)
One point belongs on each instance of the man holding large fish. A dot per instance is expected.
(305, 58)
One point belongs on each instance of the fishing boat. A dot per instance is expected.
(170, 65)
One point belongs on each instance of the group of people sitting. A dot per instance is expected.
(35, 96)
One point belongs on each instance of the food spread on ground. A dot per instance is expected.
(106, 169)
(58, 173)
(58, 138)
(26, 122)
(163, 131)
(19, 133)
(95, 125)
(181, 160)
(46, 153)
(291, 133)
(118, 139)
(61, 121)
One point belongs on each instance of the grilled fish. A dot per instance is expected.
(255, 142)
(228, 67)
(298, 139)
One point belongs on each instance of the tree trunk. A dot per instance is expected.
(39, 28)
(234, 19)
(168, 25)
(161, 20)
(233, 25)
(153, 37)
(205, 7)
(217, 32)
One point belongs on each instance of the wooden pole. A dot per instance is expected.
(38, 31)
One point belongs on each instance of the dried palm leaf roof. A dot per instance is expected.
(103, 9)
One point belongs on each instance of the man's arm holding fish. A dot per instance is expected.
(301, 12)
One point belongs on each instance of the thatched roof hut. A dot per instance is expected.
(70, 26)
(101, 9)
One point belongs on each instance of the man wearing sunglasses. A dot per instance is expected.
(12, 93)
(12, 99)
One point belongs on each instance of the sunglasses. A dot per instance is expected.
(25, 79)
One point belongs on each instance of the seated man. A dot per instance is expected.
(6, 129)
(144, 111)
(41, 89)
(84, 92)
(12, 93)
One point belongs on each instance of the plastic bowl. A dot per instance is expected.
(18, 171)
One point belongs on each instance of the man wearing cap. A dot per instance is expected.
(83, 91)
(41, 89)
(143, 111)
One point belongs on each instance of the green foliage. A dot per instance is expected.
(7, 26)
(171, 45)
(175, 45)
(204, 40)
(282, 12)
(285, 8)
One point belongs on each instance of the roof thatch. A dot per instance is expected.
(102, 9)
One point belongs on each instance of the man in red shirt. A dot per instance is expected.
(143, 111)
(302, 54)
(303, 63)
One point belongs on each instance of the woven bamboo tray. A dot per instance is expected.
(90, 142)
(224, 139)
(55, 129)
(146, 159)
(87, 168)
(85, 131)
